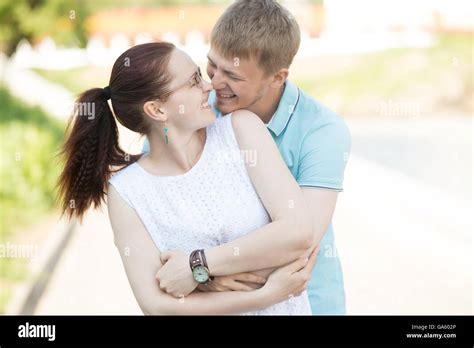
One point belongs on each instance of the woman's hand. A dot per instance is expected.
(235, 282)
(290, 280)
(175, 276)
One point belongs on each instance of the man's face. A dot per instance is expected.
(239, 83)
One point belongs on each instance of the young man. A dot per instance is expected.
(252, 46)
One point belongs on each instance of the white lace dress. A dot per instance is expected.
(211, 204)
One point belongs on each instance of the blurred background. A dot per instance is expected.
(399, 72)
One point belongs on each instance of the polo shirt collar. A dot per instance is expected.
(286, 108)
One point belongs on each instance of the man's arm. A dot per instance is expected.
(322, 161)
(289, 234)
(324, 153)
(322, 203)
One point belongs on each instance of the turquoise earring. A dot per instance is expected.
(166, 135)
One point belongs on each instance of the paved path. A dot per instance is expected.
(404, 223)
(404, 250)
(89, 278)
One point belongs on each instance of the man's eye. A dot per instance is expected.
(234, 78)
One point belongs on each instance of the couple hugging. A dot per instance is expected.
(201, 230)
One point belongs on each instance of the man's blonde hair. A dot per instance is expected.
(262, 29)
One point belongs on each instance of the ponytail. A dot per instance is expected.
(90, 150)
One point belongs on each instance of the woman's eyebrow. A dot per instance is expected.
(194, 73)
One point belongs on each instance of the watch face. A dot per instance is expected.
(201, 275)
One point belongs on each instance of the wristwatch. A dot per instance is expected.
(198, 263)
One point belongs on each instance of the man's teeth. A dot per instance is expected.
(226, 95)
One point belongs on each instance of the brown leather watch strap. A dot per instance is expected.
(193, 260)
(197, 258)
(203, 257)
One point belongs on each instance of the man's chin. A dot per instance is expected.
(225, 109)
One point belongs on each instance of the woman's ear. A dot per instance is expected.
(279, 78)
(152, 109)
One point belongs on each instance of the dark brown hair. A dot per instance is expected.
(91, 149)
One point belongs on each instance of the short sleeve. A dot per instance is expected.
(117, 183)
(324, 154)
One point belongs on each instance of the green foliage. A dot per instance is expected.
(29, 140)
(63, 20)
(28, 167)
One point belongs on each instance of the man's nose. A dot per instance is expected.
(217, 81)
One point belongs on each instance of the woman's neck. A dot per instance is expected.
(181, 153)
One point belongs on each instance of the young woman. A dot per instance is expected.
(192, 194)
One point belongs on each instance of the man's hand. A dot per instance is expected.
(175, 276)
(291, 280)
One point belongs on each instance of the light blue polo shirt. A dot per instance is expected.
(315, 144)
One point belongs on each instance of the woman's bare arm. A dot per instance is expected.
(141, 260)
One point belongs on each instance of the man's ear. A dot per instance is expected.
(152, 109)
(279, 78)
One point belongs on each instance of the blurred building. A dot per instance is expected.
(398, 15)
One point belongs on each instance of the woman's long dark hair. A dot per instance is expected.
(91, 149)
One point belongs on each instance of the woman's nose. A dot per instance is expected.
(206, 86)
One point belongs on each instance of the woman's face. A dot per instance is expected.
(187, 106)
